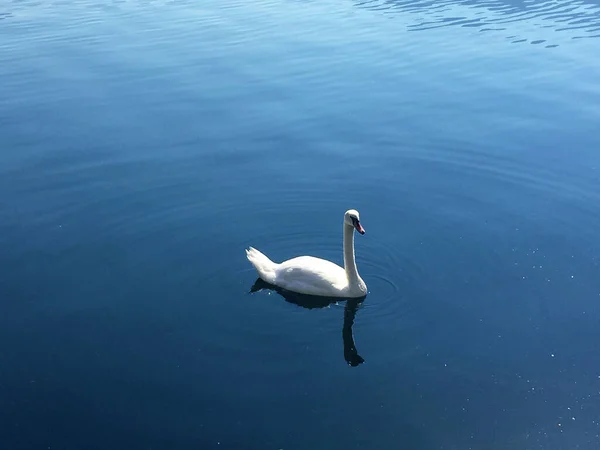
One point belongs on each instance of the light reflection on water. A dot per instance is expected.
(534, 22)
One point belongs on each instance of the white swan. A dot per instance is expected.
(315, 276)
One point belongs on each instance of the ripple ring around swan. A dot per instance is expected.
(382, 267)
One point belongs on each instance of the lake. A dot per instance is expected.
(145, 144)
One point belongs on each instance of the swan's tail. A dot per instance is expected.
(264, 266)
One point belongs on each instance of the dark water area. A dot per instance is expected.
(145, 144)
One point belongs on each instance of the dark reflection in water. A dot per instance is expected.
(311, 302)
(578, 18)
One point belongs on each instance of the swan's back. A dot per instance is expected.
(310, 275)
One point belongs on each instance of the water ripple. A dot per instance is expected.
(524, 22)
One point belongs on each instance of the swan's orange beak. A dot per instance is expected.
(359, 227)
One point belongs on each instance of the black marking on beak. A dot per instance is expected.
(357, 225)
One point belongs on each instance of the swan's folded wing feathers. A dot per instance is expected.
(263, 265)
(310, 275)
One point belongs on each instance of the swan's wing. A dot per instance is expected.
(311, 275)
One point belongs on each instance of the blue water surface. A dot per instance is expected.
(145, 144)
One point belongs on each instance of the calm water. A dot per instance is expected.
(145, 144)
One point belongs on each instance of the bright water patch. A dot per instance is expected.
(534, 22)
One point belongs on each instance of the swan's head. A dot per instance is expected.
(352, 218)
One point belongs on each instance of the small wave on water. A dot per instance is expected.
(534, 22)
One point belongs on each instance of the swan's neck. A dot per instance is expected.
(349, 260)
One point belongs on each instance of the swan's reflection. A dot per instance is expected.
(310, 302)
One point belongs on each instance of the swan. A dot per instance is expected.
(316, 276)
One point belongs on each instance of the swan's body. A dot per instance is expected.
(316, 276)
